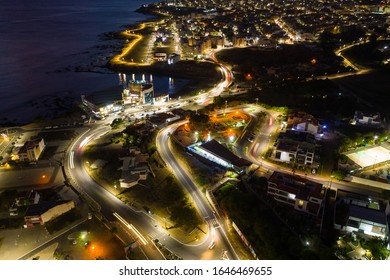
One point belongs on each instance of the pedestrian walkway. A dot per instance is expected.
(213, 222)
(370, 183)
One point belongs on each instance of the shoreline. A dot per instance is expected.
(200, 74)
(184, 69)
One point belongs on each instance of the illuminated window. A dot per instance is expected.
(300, 203)
(291, 196)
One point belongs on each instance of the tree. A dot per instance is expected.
(151, 149)
(377, 248)
(218, 101)
(339, 175)
(117, 123)
(385, 194)
(12, 163)
(199, 118)
(185, 216)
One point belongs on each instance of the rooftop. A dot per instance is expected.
(30, 145)
(368, 214)
(301, 187)
(40, 208)
(370, 156)
(223, 152)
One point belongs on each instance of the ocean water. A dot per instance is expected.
(40, 43)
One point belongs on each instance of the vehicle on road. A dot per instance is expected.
(212, 245)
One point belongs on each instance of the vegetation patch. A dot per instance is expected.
(67, 134)
(371, 54)
(370, 91)
(287, 61)
(7, 197)
(270, 238)
(164, 197)
(62, 221)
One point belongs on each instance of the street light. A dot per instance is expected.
(330, 182)
(261, 162)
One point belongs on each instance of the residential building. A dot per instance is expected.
(31, 150)
(302, 194)
(290, 151)
(296, 148)
(173, 58)
(302, 121)
(372, 119)
(134, 168)
(239, 42)
(360, 214)
(160, 56)
(45, 211)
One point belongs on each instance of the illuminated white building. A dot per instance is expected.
(215, 152)
(138, 92)
(43, 212)
(356, 213)
(32, 150)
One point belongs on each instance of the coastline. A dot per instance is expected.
(47, 108)
(130, 60)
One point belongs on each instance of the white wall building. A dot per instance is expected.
(32, 150)
(360, 214)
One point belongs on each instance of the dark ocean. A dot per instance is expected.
(42, 42)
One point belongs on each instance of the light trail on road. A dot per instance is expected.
(132, 228)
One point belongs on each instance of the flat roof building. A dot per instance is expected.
(45, 211)
(302, 194)
(32, 150)
(356, 213)
(218, 153)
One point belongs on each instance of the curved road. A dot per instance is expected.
(109, 204)
(217, 233)
(113, 209)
